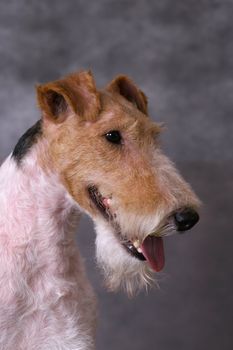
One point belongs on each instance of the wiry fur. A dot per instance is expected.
(46, 302)
(119, 268)
(43, 284)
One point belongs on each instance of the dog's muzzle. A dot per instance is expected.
(151, 247)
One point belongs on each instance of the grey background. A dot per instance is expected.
(180, 54)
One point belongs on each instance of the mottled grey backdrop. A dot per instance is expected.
(180, 53)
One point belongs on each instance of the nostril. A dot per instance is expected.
(185, 219)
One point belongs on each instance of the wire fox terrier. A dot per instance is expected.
(95, 152)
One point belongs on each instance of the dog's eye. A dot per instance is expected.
(113, 136)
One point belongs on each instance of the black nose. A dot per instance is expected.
(186, 219)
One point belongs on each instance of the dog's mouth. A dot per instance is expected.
(150, 249)
(100, 202)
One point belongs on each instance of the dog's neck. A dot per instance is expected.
(41, 269)
(34, 203)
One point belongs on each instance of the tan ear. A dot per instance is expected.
(126, 88)
(76, 93)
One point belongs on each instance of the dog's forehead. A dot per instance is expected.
(117, 104)
(117, 111)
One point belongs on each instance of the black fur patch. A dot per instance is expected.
(26, 141)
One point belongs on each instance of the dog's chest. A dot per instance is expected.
(45, 303)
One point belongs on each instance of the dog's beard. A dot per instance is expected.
(120, 269)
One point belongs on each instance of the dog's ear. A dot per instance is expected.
(126, 88)
(76, 93)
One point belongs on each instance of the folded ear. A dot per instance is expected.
(126, 88)
(75, 93)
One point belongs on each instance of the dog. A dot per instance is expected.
(95, 152)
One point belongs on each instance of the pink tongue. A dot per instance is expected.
(152, 249)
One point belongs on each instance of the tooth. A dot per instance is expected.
(139, 250)
(136, 243)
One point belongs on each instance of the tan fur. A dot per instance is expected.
(129, 188)
(125, 87)
(80, 153)
(79, 92)
(144, 187)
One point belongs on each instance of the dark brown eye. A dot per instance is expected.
(113, 136)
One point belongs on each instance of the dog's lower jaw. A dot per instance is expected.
(46, 298)
(120, 268)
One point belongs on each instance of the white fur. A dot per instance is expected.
(119, 267)
(46, 302)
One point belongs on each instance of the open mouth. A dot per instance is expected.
(150, 250)
(100, 202)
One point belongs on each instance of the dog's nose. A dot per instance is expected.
(186, 219)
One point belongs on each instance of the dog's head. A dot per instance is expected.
(106, 150)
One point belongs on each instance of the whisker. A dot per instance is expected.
(167, 230)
